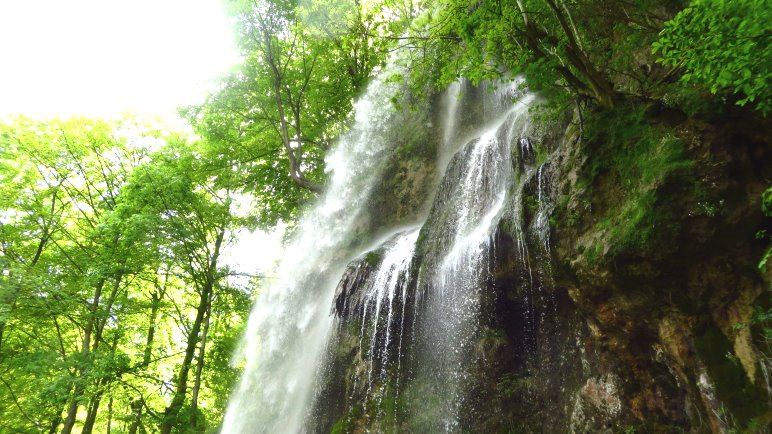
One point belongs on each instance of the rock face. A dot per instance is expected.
(672, 312)
(602, 284)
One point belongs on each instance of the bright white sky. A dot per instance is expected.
(101, 57)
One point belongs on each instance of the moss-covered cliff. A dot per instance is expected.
(655, 237)
(622, 292)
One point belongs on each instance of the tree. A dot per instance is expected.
(275, 116)
(76, 166)
(109, 248)
(723, 45)
(194, 218)
(587, 51)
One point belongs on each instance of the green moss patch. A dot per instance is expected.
(638, 168)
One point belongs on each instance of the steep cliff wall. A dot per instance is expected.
(655, 244)
(617, 289)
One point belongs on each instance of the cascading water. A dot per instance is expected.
(402, 347)
(425, 384)
(385, 288)
(289, 324)
(471, 201)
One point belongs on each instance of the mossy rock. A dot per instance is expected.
(745, 401)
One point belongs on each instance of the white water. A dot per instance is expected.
(380, 305)
(472, 200)
(289, 324)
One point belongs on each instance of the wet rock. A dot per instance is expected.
(597, 406)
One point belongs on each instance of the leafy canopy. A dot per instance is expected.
(724, 46)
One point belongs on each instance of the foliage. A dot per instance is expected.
(599, 51)
(766, 208)
(723, 45)
(109, 248)
(740, 398)
(588, 50)
(276, 114)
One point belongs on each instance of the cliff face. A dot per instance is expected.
(547, 279)
(664, 270)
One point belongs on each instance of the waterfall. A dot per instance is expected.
(409, 310)
(473, 198)
(383, 291)
(288, 327)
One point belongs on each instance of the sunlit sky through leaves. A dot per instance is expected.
(99, 58)
(102, 57)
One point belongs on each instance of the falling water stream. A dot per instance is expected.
(416, 294)
(288, 326)
(478, 189)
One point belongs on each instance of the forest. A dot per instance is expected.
(119, 314)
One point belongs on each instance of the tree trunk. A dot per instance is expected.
(80, 387)
(96, 399)
(110, 414)
(294, 156)
(93, 408)
(155, 305)
(88, 425)
(55, 423)
(601, 88)
(72, 409)
(101, 323)
(200, 368)
(136, 407)
(57, 419)
(173, 410)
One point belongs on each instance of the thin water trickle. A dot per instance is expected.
(480, 183)
(392, 275)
